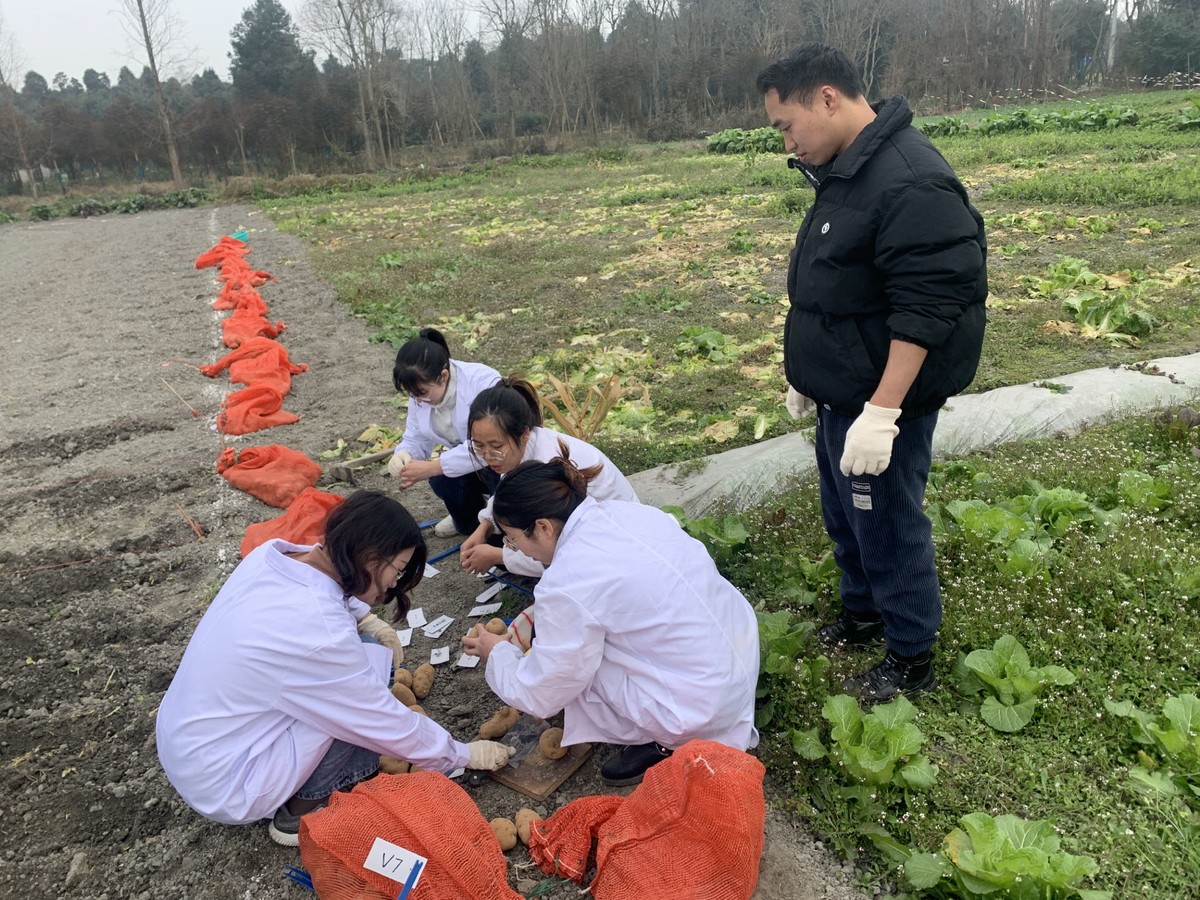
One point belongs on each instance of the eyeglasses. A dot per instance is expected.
(487, 452)
(511, 542)
(396, 570)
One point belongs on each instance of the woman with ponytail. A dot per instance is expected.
(440, 391)
(506, 429)
(640, 641)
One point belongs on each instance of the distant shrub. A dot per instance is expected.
(40, 212)
(738, 140)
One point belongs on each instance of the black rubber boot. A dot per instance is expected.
(628, 766)
(894, 675)
(850, 630)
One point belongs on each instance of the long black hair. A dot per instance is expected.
(512, 403)
(370, 527)
(541, 490)
(421, 361)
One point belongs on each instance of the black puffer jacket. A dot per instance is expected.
(891, 248)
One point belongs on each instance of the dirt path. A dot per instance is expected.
(106, 475)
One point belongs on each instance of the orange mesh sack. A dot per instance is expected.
(303, 523)
(423, 812)
(225, 249)
(561, 844)
(246, 299)
(253, 409)
(258, 361)
(692, 830)
(274, 474)
(242, 326)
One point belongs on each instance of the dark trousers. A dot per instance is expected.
(465, 495)
(882, 538)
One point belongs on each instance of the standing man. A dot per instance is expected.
(887, 285)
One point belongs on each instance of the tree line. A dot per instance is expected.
(354, 82)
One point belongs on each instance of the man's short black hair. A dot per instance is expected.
(800, 74)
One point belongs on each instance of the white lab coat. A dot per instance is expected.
(274, 672)
(543, 446)
(639, 638)
(470, 380)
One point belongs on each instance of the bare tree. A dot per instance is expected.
(360, 31)
(151, 25)
(14, 127)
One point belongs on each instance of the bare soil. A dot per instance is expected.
(116, 531)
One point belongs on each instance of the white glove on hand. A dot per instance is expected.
(375, 627)
(868, 448)
(490, 755)
(799, 406)
(397, 463)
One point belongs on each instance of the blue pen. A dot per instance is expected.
(412, 880)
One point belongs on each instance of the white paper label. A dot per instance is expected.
(405, 635)
(439, 655)
(430, 571)
(485, 609)
(485, 596)
(396, 863)
(416, 617)
(467, 662)
(437, 627)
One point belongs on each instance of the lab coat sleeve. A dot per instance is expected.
(336, 691)
(520, 564)
(458, 461)
(418, 437)
(565, 656)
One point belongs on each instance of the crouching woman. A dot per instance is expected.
(282, 694)
(640, 641)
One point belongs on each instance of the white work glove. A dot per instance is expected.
(868, 448)
(490, 755)
(799, 406)
(397, 463)
(375, 627)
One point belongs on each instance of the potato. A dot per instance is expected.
(404, 677)
(419, 710)
(505, 831)
(403, 694)
(550, 743)
(423, 680)
(525, 818)
(390, 765)
(474, 632)
(496, 626)
(497, 726)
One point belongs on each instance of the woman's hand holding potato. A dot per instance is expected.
(480, 643)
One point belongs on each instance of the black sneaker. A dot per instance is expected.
(849, 630)
(628, 766)
(285, 828)
(894, 675)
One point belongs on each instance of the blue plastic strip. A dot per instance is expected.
(444, 553)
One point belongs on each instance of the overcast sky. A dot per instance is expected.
(53, 36)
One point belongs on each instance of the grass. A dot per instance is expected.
(1111, 610)
(592, 263)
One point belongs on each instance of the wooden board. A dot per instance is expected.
(531, 773)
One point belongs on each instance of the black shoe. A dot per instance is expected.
(628, 766)
(285, 828)
(894, 675)
(285, 825)
(850, 630)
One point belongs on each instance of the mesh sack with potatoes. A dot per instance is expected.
(692, 830)
(425, 813)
